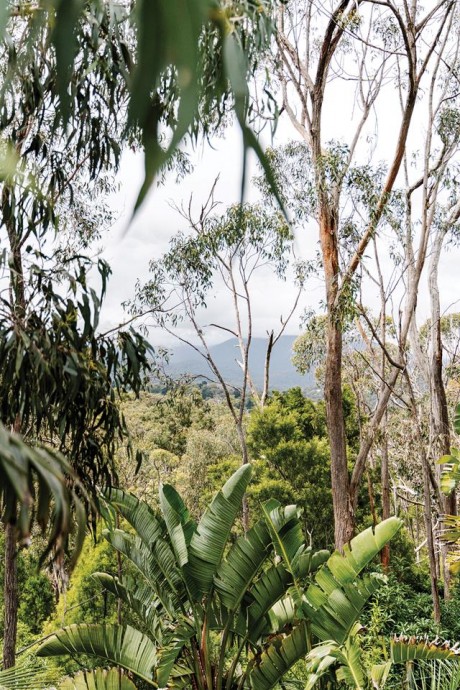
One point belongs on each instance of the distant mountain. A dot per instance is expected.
(282, 373)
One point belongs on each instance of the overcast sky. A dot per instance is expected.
(130, 245)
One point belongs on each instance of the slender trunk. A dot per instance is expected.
(439, 417)
(386, 508)
(370, 493)
(18, 310)
(268, 354)
(427, 507)
(245, 458)
(11, 597)
(429, 537)
(343, 512)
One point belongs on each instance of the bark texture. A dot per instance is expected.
(11, 597)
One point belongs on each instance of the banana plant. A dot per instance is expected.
(218, 612)
(345, 660)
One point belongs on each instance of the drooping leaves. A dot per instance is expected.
(337, 597)
(121, 645)
(40, 481)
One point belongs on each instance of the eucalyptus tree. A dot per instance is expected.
(227, 250)
(69, 71)
(185, 69)
(58, 376)
(361, 48)
(430, 212)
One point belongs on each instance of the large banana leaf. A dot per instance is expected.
(99, 679)
(236, 573)
(269, 588)
(286, 531)
(268, 612)
(361, 550)
(333, 614)
(120, 645)
(139, 515)
(278, 658)
(208, 542)
(157, 565)
(351, 669)
(179, 524)
(345, 658)
(337, 597)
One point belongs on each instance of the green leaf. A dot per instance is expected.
(169, 37)
(99, 679)
(245, 558)
(139, 598)
(336, 599)
(179, 524)
(457, 420)
(287, 536)
(158, 566)
(27, 674)
(138, 513)
(333, 614)
(208, 542)
(120, 645)
(171, 649)
(362, 549)
(380, 673)
(268, 589)
(351, 670)
(63, 37)
(22, 466)
(278, 658)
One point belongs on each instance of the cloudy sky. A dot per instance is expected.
(130, 245)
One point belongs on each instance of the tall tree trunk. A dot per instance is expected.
(439, 417)
(17, 290)
(245, 458)
(427, 508)
(340, 481)
(429, 536)
(11, 597)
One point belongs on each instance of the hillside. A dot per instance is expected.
(283, 375)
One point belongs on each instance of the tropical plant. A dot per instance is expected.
(347, 661)
(221, 612)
